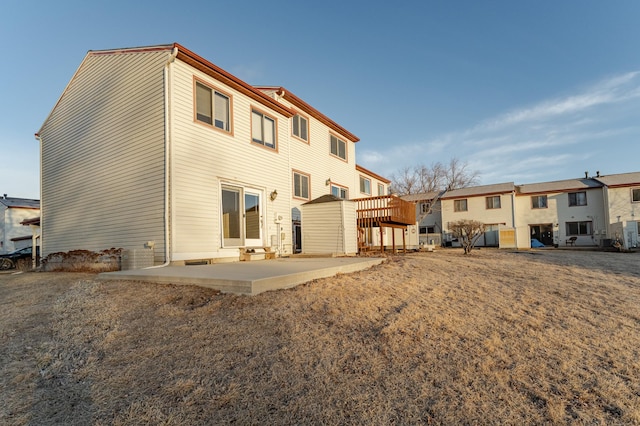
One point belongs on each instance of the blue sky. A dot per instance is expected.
(522, 91)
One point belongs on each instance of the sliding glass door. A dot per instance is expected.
(241, 217)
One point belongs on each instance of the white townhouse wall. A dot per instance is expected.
(552, 212)
(490, 204)
(12, 212)
(157, 146)
(621, 195)
(321, 158)
(311, 155)
(103, 155)
(209, 163)
(428, 216)
(370, 184)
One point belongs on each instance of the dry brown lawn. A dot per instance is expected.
(427, 338)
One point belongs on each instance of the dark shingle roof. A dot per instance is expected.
(20, 202)
(622, 179)
(559, 186)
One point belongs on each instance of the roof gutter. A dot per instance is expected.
(167, 161)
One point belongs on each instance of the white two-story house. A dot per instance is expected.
(621, 197)
(158, 147)
(560, 213)
(13, 212)
(490, 204)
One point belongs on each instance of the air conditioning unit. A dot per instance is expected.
(137, 259)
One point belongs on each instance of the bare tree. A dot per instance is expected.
(436, 177)
(467, 232)
(458, 175)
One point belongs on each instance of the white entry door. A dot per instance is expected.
(252, 219)
(241, 217)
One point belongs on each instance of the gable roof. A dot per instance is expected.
(305, 107)
(190, 58)
(423, 196)
(25, 203)
(477, 191)
(558, 186)
(620, 180)
(219, 74)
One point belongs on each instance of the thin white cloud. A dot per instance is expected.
(534, 142)
(612, 90)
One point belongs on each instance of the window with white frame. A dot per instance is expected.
(338, 147)
(339, 191)
(577, 199)
(301, 185)
(493, 202)
(635, 195)
(263, 129)
(213, 107)
(365, 185)
(381, 189)
(424, 208)
(539, 202)
(579, 228)
(460, 205)
(300, 126)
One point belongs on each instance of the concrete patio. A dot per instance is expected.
(248, 278)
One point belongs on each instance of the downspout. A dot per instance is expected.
(607, 218)
(34, 253)
(280, 94)
(513, 217)
(167, 161)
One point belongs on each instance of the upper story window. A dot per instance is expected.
(381, 189)
(365, 185)
(300, 185)
(263, 129)
(539, 202)
(577, 198)
(424, 208)
(339, 191)
(635, 195)
(300, 127)
(338, 147)
(213, 107)
(493, 202)
(460, 205)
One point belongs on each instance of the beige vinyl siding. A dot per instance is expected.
(103, 156)
(315, 159)
(329, 228)
(204, 159)
(558, 212)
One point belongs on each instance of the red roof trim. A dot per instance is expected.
(370, 173)
(299, 103)
(230, 80)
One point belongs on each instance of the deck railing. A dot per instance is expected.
(390, 209)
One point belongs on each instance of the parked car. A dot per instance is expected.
(21, 257)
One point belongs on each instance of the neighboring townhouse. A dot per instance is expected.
(621, 195)
(13, 212)
(156, 147)
(566, 212)
(428, 216)
(490, 204)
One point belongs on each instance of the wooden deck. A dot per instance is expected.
(384, 211)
